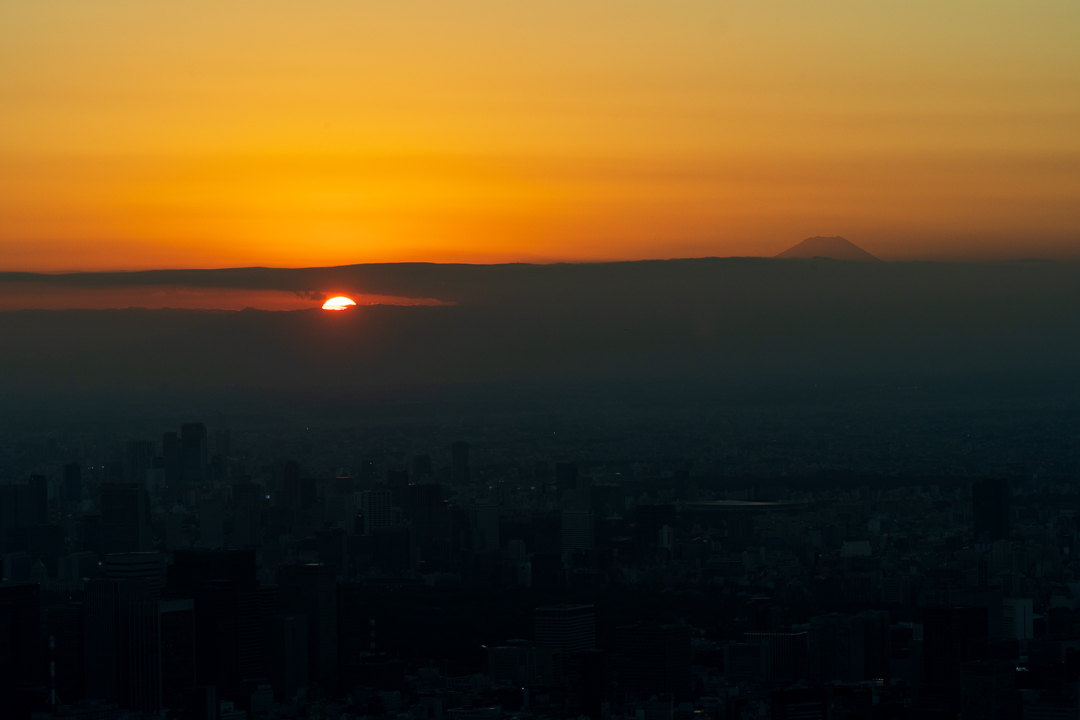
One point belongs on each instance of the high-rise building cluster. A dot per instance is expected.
(190, 579)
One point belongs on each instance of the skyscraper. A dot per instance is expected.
(655, 659)
(138, 459)
(125, 518)
(149, 566)
(20, 642)
(311, 590)
(377, 508)
(566, 477)
(170, 457)
(140, 652)
(570, 628)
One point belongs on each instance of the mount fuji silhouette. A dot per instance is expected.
(834, 248)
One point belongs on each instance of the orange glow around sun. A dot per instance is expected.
(338, 303)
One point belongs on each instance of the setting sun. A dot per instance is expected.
(338, 303)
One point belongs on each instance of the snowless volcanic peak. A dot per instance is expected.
(835, 248)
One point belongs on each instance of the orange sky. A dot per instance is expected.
(209, 134)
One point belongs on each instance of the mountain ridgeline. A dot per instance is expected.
(722, 319)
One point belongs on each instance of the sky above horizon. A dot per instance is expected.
(215, 134)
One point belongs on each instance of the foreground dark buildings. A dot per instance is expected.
(198, 575)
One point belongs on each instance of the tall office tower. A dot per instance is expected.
(174, 530)
(211, 524)
(170, 458)
(988, 690)
(485, 528)
(39, 500)
(566, 477)
(125, 518)
(952, 636)
(229, 612)
(20, 643)
(459, 463)
(311, 590)
(655, 659)
(377, 507)
(246, 515)
(138, 459)
(286, 662)
(193, 452)
(429, 519)
(990, 509)
(649, 519)
(1017, 621)
(392, 549)
(72, 484)
(176, 643)
(422, 469)
(570, 628)
(148, 566)
(849, 648)
(784, 654)
(64, 625)
(140, 652)
(577, 530)
(192, 568)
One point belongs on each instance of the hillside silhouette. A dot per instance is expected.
(834, 248)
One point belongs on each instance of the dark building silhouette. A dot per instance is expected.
(649, 519)
(952, 636)
(566, 477)
(990, 509)
(800, 704)
(194, 567)
(230, 614)
(170, 458)
(654, 660)
(392, 548)
(988, 690)
(311, 590)
(125, 518)
(64, 626)
(459, 462)
(286, 660)
(140, 651)
(21, 646)
(569, 628)
(138, 460)
(849, 648)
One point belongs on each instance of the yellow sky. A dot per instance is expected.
(208, 134)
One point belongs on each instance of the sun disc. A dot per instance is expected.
(338, 303)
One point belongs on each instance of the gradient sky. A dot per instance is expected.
(211, 134)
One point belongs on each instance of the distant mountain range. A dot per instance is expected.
(723, 319)
(834, 248)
